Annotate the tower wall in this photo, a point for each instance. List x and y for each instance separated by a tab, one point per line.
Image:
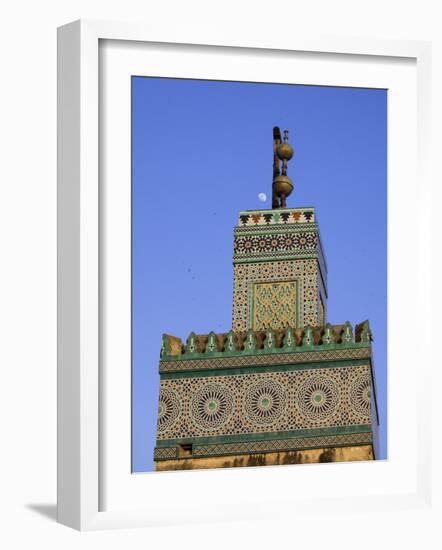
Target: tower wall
280	273
276	397
283	386
305	456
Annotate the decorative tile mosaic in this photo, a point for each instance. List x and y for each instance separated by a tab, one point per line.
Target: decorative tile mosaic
264	402
274	445
169	409
211	406
360	394
287	242
165	453
276	229
274	305
264	360
304	272
276	217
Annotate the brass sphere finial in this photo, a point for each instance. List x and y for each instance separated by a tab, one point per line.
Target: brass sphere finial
285	150
282	185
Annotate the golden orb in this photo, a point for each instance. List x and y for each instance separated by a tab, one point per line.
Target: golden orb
284	151
282	186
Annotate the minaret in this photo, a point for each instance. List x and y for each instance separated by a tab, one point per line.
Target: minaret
280	273
283	386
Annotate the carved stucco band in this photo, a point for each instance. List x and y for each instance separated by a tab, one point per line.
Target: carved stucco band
264	359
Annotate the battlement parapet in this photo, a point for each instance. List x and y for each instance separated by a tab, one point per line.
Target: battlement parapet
269	341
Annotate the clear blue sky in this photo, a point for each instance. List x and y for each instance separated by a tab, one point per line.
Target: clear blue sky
201	152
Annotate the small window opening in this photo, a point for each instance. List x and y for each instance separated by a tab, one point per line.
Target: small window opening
185	450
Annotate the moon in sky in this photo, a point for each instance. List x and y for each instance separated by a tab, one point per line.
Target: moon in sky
262	197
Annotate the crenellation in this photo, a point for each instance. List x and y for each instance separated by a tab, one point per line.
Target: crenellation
268	341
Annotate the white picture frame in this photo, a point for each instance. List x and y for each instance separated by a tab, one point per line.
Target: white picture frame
84	443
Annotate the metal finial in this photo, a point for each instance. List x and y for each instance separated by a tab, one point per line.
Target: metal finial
282	185
276	164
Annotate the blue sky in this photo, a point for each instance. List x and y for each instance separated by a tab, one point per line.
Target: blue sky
202	152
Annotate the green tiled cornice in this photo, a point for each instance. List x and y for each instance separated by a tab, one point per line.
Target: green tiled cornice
266	436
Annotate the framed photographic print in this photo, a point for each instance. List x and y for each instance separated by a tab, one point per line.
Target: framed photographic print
235	224
284	383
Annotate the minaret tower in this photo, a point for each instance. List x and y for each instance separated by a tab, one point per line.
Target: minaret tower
282	386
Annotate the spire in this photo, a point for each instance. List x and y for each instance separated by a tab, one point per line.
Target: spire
282	185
